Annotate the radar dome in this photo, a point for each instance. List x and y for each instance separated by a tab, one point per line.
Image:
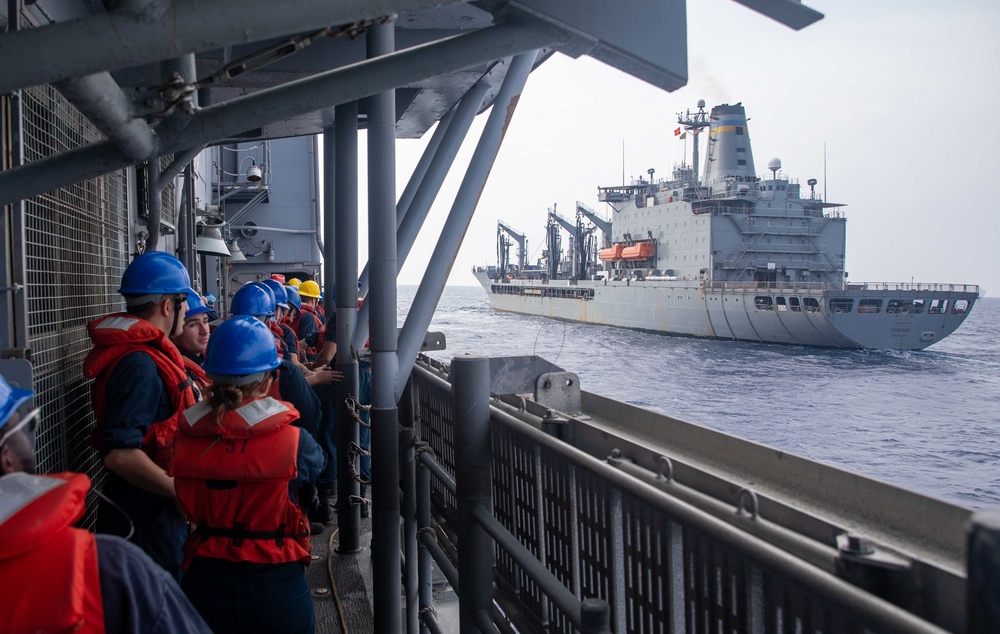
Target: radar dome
701	103
774	164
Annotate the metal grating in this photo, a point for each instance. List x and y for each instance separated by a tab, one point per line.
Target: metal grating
658	569
75	251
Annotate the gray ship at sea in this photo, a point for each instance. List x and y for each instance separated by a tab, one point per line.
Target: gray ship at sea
734	256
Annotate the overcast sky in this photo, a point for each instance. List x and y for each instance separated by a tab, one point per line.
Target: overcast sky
902	94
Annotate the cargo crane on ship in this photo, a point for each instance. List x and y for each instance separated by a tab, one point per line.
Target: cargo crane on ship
503	247
582	244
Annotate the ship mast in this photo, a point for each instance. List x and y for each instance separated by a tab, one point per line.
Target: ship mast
693	123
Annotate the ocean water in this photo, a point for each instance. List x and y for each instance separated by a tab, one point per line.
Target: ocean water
927	420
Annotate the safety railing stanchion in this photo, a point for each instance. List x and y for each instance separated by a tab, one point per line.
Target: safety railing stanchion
471	390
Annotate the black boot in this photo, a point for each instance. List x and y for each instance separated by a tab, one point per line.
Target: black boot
323	512
365	511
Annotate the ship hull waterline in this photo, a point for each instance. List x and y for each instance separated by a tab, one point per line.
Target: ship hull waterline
792	316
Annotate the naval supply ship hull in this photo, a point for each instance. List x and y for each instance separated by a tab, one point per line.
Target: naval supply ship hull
870	316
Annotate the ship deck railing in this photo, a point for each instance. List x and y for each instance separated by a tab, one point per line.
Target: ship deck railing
906	287
614	518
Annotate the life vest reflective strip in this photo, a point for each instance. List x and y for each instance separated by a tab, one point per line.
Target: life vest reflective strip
121	334
232	481
49	577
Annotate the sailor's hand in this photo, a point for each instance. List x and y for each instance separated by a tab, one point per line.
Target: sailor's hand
322	377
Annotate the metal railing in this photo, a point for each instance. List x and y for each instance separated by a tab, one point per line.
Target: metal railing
662	563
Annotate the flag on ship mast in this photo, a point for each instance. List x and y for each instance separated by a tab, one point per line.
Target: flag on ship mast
684	136
677	132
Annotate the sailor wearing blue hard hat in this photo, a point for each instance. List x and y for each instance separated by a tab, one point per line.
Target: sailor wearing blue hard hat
245	557
109	585
195	332
142	386
210	303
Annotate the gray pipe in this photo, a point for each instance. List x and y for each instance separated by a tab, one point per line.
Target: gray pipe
100	99
432	284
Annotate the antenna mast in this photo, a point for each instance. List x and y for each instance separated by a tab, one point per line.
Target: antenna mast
693	123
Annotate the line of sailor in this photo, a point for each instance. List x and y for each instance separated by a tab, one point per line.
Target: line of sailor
217	437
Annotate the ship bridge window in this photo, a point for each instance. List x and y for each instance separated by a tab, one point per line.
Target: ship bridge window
741	162
841	305
870	306
938	306
739	130
960	306
780	303
811	304
793	304
763	302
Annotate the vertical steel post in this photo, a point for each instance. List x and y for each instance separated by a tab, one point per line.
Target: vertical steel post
425	581
595	617
983	566
432	284
330	187
416	211
471	392
385	366
408	473
340	222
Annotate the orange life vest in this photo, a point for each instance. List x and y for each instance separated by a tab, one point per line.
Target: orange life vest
309	312
278	340
120	334
232	481
49	578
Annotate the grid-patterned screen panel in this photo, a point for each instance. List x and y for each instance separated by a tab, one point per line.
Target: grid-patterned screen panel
76	248
168	210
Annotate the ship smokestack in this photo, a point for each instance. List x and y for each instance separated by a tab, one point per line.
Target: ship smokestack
729	155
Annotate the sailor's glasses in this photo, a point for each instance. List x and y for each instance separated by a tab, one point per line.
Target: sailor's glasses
29	423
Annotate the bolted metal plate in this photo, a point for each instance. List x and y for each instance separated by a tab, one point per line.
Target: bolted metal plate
517	375
559	391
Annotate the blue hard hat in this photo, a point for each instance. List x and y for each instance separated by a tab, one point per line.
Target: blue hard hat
10	399
240	346
293	297
252	300
280	296
195	306
155	273
210	298
270	294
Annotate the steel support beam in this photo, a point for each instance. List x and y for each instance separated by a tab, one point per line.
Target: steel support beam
122	38
297	98
385	421
413	215
436	275
403	204
99	98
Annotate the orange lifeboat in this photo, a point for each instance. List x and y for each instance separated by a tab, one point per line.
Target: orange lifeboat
611	254
639	251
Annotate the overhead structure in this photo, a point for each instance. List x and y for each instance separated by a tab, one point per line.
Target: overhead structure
144	86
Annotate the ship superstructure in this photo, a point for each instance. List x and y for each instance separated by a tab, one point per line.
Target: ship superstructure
733	255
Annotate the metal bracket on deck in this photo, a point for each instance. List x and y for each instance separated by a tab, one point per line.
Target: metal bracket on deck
559	391
549	384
